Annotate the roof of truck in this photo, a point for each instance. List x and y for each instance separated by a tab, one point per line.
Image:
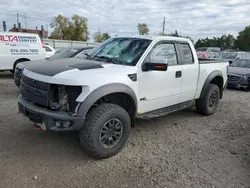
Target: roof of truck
155	37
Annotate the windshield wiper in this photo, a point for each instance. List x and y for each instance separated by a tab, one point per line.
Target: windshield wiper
107	58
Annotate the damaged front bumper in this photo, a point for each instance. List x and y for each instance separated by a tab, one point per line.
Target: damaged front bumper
49	120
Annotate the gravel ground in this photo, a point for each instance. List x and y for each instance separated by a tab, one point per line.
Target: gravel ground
183	149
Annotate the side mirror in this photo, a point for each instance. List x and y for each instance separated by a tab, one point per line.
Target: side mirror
147	66
230	62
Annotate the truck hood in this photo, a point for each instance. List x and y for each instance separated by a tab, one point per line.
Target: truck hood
78	72
238	70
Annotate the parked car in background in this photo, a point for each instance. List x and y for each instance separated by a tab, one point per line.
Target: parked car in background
18	47
74	52
50	51
239	74
232	56
208	52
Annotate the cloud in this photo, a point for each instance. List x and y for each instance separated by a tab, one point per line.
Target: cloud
193	18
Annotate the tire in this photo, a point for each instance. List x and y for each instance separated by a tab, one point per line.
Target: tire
203	105
97	118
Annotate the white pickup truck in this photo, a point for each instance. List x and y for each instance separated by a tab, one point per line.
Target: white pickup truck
122	79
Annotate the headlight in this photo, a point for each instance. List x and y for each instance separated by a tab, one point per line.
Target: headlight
63	98
20	66
245	77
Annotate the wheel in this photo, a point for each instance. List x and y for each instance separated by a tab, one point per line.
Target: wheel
105	131
208	103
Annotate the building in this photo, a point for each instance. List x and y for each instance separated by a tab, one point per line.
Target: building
42	33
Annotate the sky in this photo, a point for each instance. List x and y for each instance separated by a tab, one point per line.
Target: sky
194	18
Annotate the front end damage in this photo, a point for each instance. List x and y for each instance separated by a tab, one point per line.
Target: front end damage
63	98
50	106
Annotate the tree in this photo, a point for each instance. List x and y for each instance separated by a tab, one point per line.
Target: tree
61	28
66	29
105	36
243	40
143	29
224	42
176	34
79	27
100	37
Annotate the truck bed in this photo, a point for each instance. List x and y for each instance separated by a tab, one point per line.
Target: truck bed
207	61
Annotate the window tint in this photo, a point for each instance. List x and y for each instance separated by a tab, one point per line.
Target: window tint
186	54
163	53
48	49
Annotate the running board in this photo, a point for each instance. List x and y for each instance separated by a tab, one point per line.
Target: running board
165	111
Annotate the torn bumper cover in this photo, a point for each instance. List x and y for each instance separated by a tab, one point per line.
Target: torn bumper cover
49	120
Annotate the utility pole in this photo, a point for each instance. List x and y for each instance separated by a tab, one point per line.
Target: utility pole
17	18
4	26
25	21
163	26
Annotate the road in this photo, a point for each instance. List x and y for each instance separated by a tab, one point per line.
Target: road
183	149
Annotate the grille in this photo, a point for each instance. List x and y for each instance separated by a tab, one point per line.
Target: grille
34	91
234	78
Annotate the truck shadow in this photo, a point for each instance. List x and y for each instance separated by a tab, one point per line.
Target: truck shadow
6	75
171	118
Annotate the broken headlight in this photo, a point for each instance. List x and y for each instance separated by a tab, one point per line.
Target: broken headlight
63	98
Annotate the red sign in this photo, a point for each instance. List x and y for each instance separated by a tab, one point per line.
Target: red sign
8	38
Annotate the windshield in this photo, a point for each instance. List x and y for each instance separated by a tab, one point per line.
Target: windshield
65	53
202	49
228	55
126	51
243	63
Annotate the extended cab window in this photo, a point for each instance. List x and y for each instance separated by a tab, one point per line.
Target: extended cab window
186	54
163	53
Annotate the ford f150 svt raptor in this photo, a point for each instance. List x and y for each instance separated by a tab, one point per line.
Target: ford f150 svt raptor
122	79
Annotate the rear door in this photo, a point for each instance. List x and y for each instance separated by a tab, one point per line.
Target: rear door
190	72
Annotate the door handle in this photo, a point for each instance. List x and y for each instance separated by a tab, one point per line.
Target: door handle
178	74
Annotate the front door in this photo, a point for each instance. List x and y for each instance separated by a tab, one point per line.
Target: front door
159	89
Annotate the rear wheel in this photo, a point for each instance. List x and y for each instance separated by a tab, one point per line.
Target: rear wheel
208	103
105	131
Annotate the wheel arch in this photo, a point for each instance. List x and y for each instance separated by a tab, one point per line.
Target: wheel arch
215	77
112	92
20	60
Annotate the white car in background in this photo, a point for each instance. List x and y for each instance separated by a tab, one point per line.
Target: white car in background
16	47
49	50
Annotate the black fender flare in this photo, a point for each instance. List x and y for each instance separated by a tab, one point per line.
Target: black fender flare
210	77
103	91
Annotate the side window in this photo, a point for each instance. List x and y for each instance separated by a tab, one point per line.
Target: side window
186	54
82	55
48	49
163	53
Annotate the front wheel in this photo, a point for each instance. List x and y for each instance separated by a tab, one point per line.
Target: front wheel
208	103
105	131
